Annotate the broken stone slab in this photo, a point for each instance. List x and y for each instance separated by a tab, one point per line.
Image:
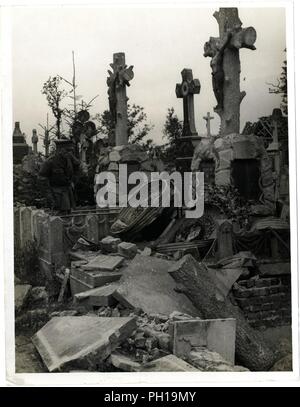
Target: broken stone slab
103	262
146	284
80	342
217	335
124	363
207	361
93	280
100	296
109	244
169	363
22	292
127	249
85	255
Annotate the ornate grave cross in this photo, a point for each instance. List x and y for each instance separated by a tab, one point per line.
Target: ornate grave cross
226	67
117	81
208	118
186	90
34	140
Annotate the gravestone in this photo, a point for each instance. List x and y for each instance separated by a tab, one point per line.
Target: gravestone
117	81
92	228
226	67
17	230
186	91
224	236
26	234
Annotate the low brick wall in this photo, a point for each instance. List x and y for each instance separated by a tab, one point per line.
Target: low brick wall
266	302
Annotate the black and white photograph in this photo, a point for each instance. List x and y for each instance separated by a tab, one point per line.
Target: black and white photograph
149	170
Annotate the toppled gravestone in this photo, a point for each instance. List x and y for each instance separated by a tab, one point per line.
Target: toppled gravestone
97	272
146	284
80	342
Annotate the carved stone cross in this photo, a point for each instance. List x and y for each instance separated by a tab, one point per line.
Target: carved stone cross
226	67
186	90
208	118
117	81
34	140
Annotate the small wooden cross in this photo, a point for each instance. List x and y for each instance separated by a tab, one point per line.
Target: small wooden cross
186	90
208	118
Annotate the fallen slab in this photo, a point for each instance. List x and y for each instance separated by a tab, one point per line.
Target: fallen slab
97	297
169	363
146	284
103	262
95	278
81	342
217	335
81	283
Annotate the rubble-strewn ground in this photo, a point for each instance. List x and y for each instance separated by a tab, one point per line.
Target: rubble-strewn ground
148	342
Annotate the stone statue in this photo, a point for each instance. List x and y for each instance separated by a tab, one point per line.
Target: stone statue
226	66
117	81
214	48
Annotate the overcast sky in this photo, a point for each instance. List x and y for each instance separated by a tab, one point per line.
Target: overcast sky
159	42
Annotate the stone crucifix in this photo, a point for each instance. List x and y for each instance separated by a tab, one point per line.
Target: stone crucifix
208	118
117	81
226	67
186	90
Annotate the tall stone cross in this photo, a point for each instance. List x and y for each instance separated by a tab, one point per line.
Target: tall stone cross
226	67
186	90
208	118
117	81
34	140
